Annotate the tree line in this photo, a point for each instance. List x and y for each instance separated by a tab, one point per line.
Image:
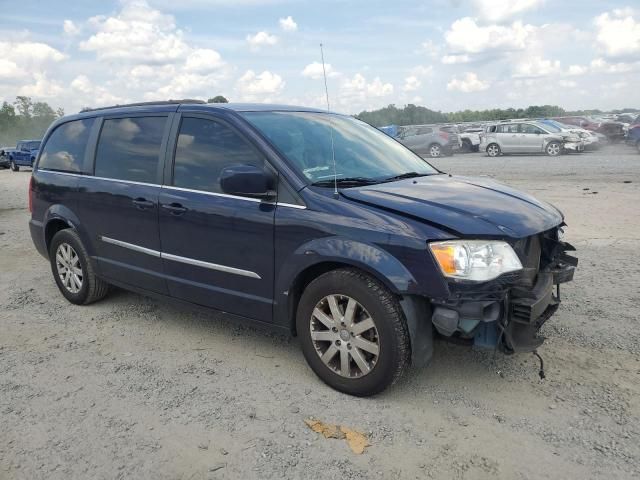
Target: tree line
25	119
417	115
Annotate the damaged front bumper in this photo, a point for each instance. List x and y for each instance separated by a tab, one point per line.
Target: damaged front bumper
508	312
574	146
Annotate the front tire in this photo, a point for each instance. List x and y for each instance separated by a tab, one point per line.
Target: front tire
14	167
73	271
353	332
553	149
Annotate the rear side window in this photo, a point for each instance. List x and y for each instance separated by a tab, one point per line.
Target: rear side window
65	148
129	148
204	149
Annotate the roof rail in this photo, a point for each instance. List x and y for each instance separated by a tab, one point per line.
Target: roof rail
143	104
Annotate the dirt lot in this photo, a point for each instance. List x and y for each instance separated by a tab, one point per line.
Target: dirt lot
134	388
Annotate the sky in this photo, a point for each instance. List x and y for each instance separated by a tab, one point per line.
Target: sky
447	55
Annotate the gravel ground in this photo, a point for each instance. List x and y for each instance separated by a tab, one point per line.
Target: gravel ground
135	388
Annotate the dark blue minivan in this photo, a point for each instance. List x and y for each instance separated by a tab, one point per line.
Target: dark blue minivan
309	221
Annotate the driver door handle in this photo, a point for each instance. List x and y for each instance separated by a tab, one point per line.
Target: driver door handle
174	208
143	203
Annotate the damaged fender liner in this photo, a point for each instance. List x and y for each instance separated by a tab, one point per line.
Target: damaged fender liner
507	313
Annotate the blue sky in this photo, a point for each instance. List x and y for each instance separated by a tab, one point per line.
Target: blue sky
445	54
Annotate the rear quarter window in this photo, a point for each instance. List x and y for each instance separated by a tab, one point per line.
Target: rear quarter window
66	146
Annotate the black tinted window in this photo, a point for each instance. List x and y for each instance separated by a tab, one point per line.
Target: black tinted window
66	146
205	147
129	148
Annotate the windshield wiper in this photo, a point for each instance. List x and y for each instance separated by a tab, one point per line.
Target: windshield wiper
406	175
345	182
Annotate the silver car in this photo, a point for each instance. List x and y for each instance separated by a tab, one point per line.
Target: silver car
431	140
527	137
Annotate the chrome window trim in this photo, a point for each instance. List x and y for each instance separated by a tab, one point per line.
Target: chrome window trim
177	258
291	205
215	194
171	187
131	246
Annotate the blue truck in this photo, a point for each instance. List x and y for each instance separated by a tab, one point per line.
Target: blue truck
23	155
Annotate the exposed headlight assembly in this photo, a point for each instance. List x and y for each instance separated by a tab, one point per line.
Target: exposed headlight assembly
475	260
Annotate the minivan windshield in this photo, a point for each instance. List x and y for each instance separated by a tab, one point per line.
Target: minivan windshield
363	154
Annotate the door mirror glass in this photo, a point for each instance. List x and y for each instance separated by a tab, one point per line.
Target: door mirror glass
247	181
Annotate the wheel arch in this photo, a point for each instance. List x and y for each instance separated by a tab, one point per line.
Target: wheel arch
325	254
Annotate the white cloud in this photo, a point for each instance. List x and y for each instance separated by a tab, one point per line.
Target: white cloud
430	48
30	54
618	33
411	83
41	88
466	35
599	65
575	70
469	83
70	28
93	95
454	59
492	11
202	60
358	86
536	66
137	33
567	83
422	71
261	39
262	87
288	24
314	71
9	70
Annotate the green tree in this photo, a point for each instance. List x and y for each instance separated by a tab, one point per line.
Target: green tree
24	105
218	99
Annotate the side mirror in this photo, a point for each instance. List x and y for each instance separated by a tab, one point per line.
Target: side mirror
247	181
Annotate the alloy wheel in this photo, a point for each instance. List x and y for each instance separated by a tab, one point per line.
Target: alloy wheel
434	151
345	336
493	151
69	268
553	149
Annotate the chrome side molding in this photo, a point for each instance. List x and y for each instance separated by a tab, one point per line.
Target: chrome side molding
186	260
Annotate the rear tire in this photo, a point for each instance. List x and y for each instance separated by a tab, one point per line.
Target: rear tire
493	150
72	269
435	150
333	348
14	167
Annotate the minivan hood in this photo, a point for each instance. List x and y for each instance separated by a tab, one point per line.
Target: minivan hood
464	206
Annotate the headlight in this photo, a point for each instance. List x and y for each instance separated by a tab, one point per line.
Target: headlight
475	260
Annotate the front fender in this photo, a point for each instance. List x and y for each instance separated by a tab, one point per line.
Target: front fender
364	256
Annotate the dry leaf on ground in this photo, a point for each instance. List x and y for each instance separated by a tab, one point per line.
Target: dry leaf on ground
357	441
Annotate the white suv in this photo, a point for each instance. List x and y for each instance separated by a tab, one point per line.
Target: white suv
527	137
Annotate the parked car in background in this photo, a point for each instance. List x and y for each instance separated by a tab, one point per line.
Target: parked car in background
24	155
612	130
430	140
591	139
470	139
528	137
309	221
4	158
633	138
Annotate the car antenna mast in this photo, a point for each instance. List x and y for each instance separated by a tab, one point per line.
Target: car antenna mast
333	151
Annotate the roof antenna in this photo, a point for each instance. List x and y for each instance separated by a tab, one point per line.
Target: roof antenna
333	152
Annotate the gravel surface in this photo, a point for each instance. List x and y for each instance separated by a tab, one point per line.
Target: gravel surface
135	388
